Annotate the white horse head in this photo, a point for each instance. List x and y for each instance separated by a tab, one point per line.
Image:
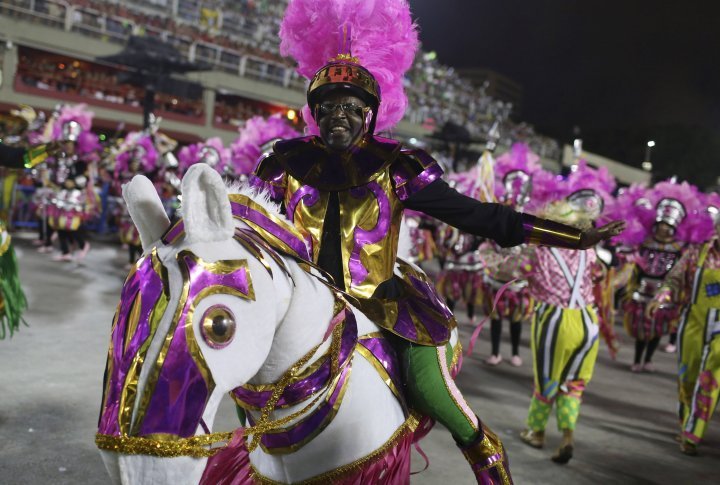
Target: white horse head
212	308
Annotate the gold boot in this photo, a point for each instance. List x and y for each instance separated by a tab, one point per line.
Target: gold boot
536	439
565	452
487	458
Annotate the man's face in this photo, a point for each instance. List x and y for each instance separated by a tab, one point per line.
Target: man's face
340	117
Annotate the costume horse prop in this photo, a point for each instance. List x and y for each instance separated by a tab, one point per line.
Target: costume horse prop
225	302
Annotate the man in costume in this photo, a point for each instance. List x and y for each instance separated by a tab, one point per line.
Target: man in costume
669	218
346	190
565	329
695	282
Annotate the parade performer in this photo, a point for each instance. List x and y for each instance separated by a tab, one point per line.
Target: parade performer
136	154
75	200
345	190
211	151
461	277
565	328
694	283
514	172
12	297
668	219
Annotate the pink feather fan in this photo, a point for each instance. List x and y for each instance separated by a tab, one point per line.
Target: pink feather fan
382	36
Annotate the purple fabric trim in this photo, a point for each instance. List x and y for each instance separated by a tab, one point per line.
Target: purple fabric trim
404	325
420	306
302	390
362	238
276	192
405	188
181	392
312	424
308	195
146	282
260	219
382	350
174	233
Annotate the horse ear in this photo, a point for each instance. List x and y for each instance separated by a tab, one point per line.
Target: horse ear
146	210
205	205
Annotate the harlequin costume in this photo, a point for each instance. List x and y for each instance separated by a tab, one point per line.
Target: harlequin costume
695	283
673	206
564	330
349	204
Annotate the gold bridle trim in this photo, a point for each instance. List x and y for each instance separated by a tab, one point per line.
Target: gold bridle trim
195	447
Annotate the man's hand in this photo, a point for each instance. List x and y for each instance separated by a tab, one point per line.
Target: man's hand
593	236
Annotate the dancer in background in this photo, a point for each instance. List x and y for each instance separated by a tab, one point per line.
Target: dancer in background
694	282
514	173
564	329
667	219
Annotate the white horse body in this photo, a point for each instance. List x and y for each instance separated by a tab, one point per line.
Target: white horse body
288	317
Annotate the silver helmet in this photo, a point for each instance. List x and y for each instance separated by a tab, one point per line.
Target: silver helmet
588	202
670	211
518	185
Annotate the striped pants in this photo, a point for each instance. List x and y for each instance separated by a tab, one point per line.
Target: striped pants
699	371
564	346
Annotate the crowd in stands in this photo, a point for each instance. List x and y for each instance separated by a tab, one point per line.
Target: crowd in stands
63	74
239	28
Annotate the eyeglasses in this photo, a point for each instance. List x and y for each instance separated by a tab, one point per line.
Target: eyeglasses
329	108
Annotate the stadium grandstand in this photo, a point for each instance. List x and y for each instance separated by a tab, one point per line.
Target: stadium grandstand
51	50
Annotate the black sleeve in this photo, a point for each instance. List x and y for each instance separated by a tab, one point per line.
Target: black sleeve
493	221
12	157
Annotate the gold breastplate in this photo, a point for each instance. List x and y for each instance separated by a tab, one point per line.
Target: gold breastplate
370	216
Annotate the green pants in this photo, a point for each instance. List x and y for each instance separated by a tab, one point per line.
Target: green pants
431	390
564	346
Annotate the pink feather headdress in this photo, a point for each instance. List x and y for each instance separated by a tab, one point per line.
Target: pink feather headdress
697	225
78	113
256	132
192	154
519	158
137	144
383	38
88	145
633	205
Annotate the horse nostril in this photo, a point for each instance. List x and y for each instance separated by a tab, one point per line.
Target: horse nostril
218	326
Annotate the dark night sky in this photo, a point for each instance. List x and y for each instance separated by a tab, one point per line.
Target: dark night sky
597	64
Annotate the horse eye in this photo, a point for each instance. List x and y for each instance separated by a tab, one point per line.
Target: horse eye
218	326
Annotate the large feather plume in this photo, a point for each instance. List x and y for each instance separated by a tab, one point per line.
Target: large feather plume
382	34
256	132
78	113
697	225
192	154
